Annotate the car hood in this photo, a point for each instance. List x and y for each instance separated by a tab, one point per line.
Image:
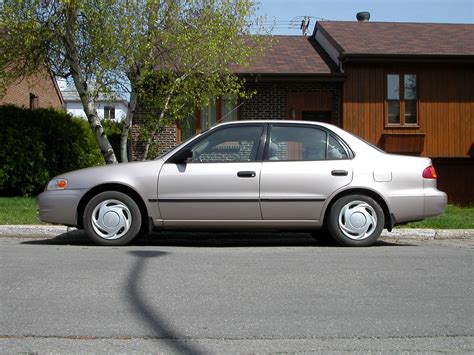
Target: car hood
127	174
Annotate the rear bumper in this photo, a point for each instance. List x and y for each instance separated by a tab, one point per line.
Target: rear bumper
59	206
435	202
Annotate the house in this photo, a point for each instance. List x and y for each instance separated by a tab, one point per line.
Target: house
36	91
112	107
406	87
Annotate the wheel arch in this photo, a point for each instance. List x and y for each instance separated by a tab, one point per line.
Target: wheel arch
111	187
361	191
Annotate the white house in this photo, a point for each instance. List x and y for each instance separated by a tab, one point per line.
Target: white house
111	106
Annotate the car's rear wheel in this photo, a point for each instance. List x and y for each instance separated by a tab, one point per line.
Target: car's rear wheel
356	220
112	218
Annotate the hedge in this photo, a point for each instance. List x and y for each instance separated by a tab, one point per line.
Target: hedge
39	144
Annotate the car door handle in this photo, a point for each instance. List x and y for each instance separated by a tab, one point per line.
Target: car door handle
246	174
339	173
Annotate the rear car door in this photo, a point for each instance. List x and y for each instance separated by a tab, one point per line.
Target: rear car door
303	165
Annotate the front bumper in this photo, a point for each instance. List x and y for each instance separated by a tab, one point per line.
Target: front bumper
59	206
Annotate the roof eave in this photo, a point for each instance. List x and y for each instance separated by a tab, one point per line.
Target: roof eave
417	58
291	77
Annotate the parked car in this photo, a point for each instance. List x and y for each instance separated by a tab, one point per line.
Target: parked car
253	175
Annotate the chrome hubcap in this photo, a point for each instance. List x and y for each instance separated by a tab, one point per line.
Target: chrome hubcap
111	219
357	220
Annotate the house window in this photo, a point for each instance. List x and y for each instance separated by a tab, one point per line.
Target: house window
188	127
109	112
33	101
223	109
228	108
208	115
402	99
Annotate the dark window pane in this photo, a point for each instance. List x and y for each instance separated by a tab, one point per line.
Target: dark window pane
188	128
208	115
410	111
297	143
410	87
394	111
109	112
228	108
232	144
393	87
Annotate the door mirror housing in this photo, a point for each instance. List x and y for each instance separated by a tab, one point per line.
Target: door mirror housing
183	156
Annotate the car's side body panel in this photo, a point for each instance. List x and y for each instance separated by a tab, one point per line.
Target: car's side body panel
298	190
209	191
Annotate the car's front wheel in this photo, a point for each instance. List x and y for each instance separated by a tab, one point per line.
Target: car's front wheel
112	218
356	220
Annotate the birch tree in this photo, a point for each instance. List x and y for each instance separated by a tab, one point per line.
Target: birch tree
69	38
170	55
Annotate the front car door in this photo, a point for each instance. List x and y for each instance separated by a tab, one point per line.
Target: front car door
302	167
218	184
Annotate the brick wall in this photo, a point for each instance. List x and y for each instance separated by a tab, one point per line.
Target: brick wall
269	102
271	99
40	85
164	140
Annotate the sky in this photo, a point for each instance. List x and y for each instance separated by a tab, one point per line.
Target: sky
287	14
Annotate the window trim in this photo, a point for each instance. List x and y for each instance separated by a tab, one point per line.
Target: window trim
401	82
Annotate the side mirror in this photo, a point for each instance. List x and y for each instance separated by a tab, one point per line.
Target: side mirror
182	156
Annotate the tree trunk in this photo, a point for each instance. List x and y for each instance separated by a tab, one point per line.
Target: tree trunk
127	124
81	85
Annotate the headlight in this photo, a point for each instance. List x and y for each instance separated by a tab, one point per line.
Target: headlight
57	184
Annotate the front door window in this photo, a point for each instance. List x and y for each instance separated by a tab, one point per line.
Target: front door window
231	144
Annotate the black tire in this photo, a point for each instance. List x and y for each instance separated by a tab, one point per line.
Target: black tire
356	221
112	218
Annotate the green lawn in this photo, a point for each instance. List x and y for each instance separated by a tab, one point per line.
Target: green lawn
453	218
18	210
22	210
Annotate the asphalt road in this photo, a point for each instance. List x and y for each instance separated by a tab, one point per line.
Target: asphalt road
187	293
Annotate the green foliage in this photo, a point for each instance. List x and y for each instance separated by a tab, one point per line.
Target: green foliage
114	45
39	144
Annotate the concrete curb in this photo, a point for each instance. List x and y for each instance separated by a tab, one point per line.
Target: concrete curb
411	233
44	231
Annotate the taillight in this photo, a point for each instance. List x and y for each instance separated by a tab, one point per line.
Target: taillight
430	173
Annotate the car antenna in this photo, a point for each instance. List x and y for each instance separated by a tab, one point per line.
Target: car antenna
227	114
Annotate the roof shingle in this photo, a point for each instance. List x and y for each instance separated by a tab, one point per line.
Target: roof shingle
289	55
398	38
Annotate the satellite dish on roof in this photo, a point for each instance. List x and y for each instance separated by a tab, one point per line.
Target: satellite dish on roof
363	16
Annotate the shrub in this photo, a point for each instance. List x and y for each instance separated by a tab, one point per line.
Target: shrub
39	144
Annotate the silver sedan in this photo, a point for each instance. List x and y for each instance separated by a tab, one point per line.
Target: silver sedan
251	175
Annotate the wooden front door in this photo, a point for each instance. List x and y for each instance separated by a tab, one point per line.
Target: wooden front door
311	106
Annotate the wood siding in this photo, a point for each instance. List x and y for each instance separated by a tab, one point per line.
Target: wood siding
445	106
455	178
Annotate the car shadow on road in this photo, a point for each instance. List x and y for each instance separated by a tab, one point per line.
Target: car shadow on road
207	239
